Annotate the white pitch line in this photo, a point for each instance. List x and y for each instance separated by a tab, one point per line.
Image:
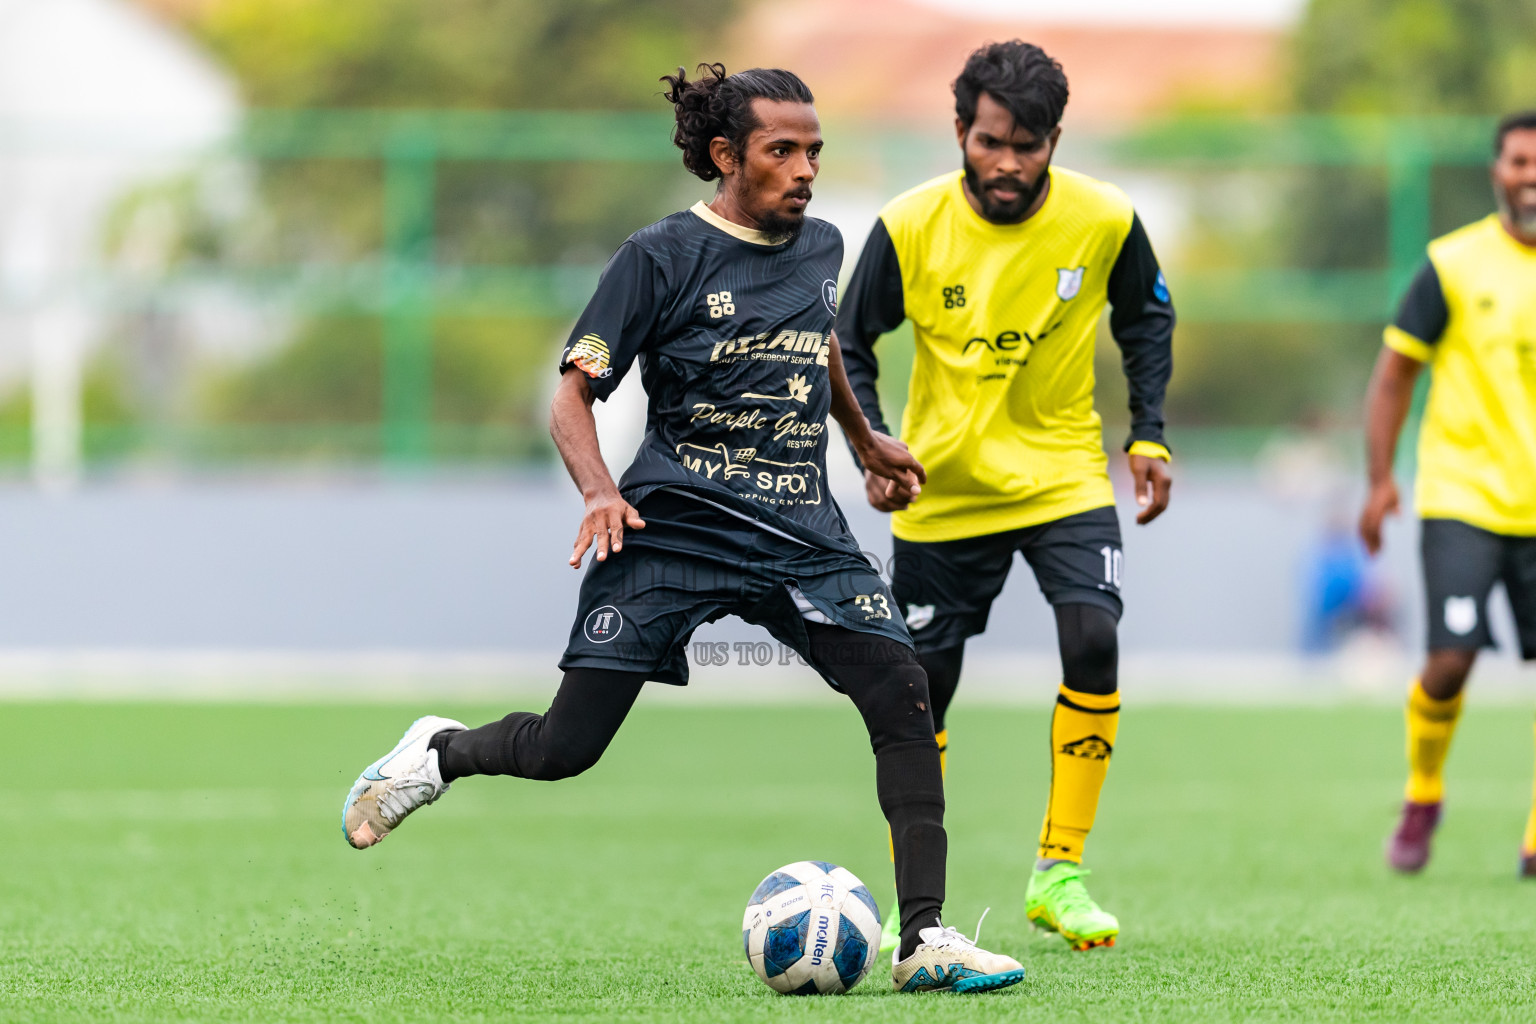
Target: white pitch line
530	678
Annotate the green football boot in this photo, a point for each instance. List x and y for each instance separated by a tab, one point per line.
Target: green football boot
1058	901
890	934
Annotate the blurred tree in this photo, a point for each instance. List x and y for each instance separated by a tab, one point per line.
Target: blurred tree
107	404
447	54
494	54
1404	57
1362	57
1415	56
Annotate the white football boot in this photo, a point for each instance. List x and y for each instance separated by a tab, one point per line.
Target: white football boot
945	959
396	784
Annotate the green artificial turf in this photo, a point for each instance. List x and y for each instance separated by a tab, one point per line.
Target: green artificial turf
185	862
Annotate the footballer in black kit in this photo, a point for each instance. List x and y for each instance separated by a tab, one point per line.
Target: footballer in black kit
728	309
733	333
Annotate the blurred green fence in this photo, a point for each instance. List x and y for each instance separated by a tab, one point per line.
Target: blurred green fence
409	286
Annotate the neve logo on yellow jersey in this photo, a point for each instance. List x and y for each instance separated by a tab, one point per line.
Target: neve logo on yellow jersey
1009	348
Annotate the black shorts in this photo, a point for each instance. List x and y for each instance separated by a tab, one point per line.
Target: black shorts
1461	564
696	562
946	588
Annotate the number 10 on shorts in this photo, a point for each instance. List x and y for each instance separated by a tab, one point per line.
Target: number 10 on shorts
1114	559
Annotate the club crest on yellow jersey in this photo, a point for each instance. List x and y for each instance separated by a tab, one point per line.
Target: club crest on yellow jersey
1069	281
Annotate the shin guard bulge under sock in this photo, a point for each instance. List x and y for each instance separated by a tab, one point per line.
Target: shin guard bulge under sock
1083	730
1430	725
942	736
911	794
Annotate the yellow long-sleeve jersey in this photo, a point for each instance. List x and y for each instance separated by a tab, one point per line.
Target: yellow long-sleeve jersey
1000	405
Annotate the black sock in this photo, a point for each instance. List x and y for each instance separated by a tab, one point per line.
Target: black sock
890	688
566	740
911	792
488	750
439	743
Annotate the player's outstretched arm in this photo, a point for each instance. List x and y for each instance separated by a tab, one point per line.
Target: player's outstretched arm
575	432
1386	407
881	455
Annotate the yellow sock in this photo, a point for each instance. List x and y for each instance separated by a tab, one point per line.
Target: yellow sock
1082	739
1528	844
1431	723
943	737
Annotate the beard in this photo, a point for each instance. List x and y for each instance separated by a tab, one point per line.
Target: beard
780	227
997	211
1522	217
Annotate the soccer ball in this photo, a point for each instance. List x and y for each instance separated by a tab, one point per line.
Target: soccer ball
811	928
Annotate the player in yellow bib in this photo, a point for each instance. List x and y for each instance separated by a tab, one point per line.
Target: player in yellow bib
1004	269
1470	315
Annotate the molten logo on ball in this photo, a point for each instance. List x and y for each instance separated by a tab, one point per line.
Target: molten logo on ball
811	928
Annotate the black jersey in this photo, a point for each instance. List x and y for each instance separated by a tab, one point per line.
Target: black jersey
733	336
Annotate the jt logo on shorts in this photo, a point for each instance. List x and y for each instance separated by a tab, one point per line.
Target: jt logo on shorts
604	624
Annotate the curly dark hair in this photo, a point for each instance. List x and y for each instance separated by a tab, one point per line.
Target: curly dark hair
717	105
1020	76
1523	121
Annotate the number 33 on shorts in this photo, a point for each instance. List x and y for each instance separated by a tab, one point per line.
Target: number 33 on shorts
874	606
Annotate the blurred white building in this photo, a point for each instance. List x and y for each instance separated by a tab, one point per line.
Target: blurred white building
95	96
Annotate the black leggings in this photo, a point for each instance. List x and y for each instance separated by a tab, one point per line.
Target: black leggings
880	675
1090	657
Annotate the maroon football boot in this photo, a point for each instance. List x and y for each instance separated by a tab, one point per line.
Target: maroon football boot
1408	849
